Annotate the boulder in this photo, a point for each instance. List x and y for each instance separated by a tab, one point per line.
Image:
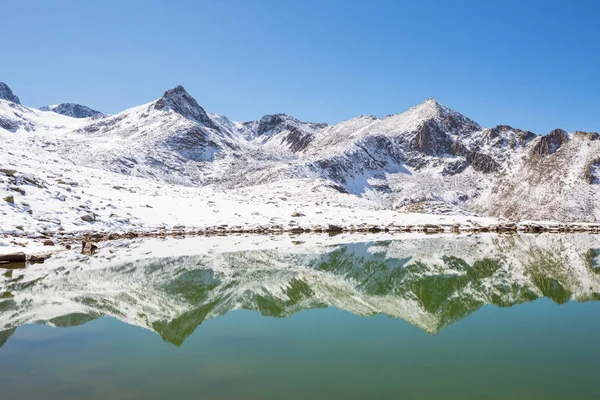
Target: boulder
13	257
88	248
88	217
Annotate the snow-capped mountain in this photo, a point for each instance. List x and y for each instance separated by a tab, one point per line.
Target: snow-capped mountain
7	94
428	159
172	286
72	110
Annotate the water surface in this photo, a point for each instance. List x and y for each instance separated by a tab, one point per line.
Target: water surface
498	317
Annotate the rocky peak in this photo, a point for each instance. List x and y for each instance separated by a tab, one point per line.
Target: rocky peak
453	122
72	110
180	101
7	94
269	122
501	134
550	143
587	135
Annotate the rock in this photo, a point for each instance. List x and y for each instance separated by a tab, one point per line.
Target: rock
550	143
10	199
38	259
48	243
334	228
7	94
8	172
588	135
13	257
73	110
32	180
432	139
88	248
88	217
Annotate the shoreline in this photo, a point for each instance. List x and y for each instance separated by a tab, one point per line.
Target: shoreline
37	247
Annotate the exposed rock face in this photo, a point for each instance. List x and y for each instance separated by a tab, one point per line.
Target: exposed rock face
285	130
587	135
522	137
7	124
431	140
459	125
181	102
550	143
592	172
72	110
269	122
7	94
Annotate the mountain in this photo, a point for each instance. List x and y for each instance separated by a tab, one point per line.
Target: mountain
172	287
72	110
170	138
429	159
7	94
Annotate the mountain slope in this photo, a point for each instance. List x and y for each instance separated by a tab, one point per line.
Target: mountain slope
169	139
428	159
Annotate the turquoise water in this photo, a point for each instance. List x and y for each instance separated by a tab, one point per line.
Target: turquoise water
493	330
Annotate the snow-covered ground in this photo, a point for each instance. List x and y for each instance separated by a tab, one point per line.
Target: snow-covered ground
49	195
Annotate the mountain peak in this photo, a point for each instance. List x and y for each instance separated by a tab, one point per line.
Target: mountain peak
431	100
179	89
72	110
181	102
7	94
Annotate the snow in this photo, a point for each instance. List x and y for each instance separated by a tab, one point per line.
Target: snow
64	192
169	163
27	119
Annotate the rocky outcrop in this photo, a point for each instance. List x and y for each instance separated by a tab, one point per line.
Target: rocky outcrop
479	161
550	143
522	137
592	172
7	94
269	122
73	110
286	130
8	124
431	139
587	135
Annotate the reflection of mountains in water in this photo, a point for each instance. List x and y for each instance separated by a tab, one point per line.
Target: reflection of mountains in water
431	282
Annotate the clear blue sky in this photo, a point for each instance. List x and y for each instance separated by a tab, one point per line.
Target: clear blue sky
530	64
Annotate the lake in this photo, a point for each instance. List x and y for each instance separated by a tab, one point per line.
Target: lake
311	316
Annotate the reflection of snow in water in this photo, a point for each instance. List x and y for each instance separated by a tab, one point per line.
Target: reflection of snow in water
172	285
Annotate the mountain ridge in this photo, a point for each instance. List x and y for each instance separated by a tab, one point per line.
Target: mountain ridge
429	158
72	110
